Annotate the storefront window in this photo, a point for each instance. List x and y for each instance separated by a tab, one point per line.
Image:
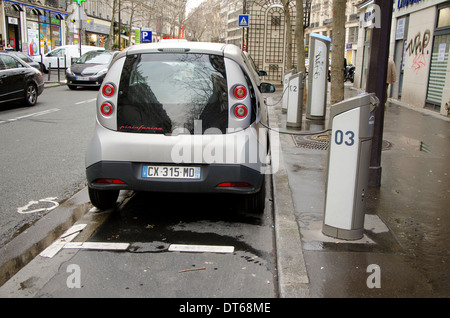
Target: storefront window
45	33
55	30
444	18
32	15
12	17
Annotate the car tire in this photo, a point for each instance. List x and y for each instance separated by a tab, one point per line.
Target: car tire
255	202
103	199
31	94
71	86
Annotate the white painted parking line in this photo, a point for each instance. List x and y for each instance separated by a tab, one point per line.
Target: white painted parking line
200	248
68	236
98	246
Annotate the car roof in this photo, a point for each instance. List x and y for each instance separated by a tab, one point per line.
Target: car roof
228	50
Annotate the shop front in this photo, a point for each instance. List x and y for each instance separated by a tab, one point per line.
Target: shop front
30	28
420	42
97	31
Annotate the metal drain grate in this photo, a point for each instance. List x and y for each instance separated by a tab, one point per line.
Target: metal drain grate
314	142
322	142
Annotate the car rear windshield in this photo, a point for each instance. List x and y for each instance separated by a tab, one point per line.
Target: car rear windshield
172	93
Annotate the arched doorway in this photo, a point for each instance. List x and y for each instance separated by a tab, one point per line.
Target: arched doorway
275	43
266	40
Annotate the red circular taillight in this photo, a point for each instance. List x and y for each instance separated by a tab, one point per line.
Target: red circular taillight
106	109
108	90
240	111
240	92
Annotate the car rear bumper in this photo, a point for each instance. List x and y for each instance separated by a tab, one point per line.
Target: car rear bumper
210	177
95	81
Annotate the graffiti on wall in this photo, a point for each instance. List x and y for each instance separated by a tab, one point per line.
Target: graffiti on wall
418	47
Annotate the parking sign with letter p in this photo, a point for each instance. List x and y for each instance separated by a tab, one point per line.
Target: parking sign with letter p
146	36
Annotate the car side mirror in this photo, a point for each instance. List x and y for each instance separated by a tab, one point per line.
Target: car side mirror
266	88
262	73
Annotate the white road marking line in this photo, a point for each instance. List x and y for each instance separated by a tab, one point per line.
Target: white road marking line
201	248
98	246
48	111
86	101
68	236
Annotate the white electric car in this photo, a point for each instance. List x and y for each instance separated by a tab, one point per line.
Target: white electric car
180	117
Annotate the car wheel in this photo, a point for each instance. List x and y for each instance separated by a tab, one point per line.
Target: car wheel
255	203
72	86
103	199
31	94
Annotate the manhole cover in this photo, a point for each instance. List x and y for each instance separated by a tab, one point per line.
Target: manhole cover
314	142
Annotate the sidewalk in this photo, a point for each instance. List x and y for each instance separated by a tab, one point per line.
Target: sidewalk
406	223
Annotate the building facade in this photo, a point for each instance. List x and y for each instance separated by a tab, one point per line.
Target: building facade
419	46
37	26
32	26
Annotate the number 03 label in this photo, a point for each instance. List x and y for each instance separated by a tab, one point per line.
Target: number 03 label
346	138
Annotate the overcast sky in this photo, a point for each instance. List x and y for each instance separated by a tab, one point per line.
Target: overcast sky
191	4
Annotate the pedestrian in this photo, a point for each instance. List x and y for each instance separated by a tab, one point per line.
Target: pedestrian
391	77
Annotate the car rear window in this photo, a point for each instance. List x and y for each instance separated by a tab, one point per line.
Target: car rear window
167	93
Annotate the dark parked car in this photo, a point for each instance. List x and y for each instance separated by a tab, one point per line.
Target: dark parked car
24	57
18	80
90	69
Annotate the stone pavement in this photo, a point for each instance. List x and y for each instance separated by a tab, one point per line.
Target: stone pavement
405	248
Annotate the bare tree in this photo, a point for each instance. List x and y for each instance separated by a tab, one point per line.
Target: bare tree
337	58
110	42
300	36
287	15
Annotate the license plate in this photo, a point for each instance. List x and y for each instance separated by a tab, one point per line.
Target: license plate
172	172
82	78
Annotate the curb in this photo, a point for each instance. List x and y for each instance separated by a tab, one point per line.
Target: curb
22	249
293	279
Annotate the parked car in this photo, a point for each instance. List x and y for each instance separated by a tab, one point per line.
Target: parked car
90	69
18	80
64	54
179	117
24	57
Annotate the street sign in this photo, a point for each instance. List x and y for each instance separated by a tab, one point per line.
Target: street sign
243	20
146	35
79	1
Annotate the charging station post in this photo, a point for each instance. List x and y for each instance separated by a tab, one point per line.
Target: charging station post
284	103
318	76
352	123
295	101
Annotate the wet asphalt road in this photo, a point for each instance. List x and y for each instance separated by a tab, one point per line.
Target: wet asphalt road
151	223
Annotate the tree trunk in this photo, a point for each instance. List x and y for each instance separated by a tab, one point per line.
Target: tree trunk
300	36
287	15
110	42
337	58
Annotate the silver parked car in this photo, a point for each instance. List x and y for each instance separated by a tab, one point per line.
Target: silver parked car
179	117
